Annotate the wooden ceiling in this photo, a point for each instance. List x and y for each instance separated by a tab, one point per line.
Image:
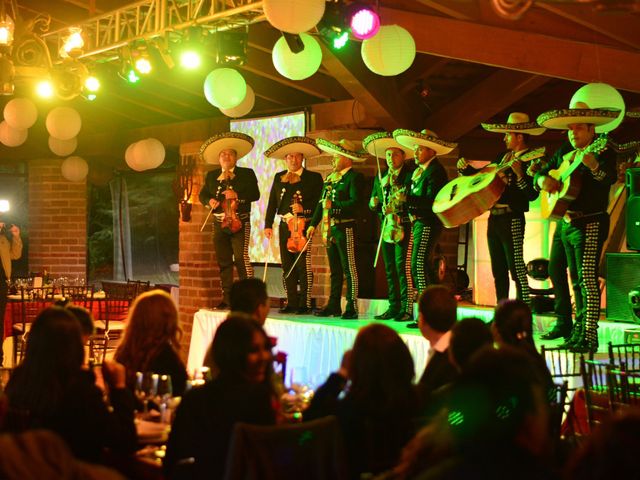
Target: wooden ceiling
473	66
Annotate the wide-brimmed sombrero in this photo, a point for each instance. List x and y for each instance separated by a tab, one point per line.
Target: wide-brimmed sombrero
378	143
517	122
581	113
240	142
347	148
426	138
304	145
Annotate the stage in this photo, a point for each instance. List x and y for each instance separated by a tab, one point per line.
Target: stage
314	345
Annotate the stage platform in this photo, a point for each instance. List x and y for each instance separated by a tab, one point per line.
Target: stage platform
315	345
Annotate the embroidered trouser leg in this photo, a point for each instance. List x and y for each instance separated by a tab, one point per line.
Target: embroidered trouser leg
560	280
505	238
232	249
4	290
301	275
397	265
425	237
342	263
583	240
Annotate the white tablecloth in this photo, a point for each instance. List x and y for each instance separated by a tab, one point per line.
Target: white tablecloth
312	348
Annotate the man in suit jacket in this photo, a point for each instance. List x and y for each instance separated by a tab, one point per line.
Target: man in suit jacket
239	186
10	249
295	192
340	205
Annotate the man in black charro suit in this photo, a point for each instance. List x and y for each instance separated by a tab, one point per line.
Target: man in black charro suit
295	192
341	202
238	185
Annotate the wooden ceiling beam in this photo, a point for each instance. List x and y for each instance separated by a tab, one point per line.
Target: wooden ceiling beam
518	50
277	93
483	101
146	106
378	95
423	67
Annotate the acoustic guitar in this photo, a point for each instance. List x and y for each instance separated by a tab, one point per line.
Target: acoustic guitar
464	198
555	205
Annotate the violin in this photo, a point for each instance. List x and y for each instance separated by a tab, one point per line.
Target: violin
296	241
392	230
231	223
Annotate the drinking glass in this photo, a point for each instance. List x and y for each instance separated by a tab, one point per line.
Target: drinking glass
145	389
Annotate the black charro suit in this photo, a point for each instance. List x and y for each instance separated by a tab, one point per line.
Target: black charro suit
283	194
232	248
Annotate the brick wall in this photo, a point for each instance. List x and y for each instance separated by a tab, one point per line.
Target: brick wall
57	221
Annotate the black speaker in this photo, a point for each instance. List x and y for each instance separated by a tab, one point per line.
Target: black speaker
632	182
623	276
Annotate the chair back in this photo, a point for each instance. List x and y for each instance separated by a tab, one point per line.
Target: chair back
627	354
595	375
24	311
624	389
308	450
141	286
79	295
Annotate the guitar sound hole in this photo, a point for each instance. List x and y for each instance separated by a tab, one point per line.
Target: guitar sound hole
453	192
478	179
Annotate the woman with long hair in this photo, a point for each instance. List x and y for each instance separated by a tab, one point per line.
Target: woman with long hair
50	390
151	341
377	415
242	391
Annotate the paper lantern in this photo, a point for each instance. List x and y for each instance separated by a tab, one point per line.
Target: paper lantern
149	154
601	95
225	88
12	137
63	148
244	108
63	123
297	66
75	169
390	52
293	16
20	113
130	156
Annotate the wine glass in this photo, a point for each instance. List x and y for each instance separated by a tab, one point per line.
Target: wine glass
145	389
162	398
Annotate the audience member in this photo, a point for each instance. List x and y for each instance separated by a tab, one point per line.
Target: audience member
377	414
467	337
437	313
151	341
49	390
87	327
241	392
250	296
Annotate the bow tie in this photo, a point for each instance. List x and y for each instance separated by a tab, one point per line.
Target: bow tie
226	175
290	177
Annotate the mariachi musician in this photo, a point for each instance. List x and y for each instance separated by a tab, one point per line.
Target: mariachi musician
425	183
295	192
585	224
336	215
505	228
388	201
229	192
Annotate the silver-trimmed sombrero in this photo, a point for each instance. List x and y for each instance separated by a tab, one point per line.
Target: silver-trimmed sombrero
304	145
561	119
347	148
426	138
211	148
378	143
517	122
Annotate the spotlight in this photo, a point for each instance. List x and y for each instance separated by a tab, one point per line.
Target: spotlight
127	72
44	89
92	84
4	206
363	20
69	78
73	43
91	97
143	65
190	56
7	28
231	47
332	27
132	76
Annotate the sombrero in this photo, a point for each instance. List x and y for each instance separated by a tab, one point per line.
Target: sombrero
517	122
240	142
426	138
581	113
378	143
347	148
304	145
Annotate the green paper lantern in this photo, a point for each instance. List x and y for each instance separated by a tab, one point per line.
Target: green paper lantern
225	88
297	66
601	95
390	52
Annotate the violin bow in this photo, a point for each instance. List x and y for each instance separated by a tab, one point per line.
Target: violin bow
384	222
304	249
206	220
266	264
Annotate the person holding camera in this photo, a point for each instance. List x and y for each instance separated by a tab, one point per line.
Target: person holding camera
10	249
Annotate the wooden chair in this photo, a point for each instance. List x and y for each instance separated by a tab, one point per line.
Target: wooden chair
24	311
113	312
595	375
141	286
79	295
627	354
624	389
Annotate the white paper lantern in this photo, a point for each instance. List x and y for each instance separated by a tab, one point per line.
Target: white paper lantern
225	88
390	52
12	137
601	95
20	113
294	16
130	157
149	154
244	108
63	148
63	123
297	66
75	169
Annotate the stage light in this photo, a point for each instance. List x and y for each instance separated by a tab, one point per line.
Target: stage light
231	47
45	89
132	76
73	43
4	206
333	28
143	65
190	60
340	41
92	84
7	27
364	21
91	97
191	49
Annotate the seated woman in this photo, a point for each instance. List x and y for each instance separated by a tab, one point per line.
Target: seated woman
377	414
151	340
242	391
50	390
